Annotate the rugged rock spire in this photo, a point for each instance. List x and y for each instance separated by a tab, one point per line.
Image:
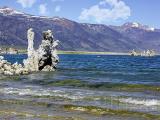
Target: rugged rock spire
30	36
47	52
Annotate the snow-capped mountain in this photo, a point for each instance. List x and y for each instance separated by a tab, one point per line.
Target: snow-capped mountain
10	11
138	26
76	36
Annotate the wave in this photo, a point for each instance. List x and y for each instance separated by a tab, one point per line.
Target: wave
139	101
41	93
77	94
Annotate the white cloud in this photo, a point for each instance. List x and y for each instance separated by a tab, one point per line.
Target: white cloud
26	3
42	9
100	13
57	8
57	0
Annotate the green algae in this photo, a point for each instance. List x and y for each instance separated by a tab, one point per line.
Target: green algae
10	78
124	87
24	115
105	111
105	86
88	85
69	107
75	83
24	102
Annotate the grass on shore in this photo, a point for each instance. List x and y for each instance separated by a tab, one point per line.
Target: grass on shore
24	51
92	53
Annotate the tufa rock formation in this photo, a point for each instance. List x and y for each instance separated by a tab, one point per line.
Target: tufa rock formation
146	53
45	58
47	52
7	68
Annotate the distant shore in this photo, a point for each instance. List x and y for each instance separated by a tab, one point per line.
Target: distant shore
92	53
24	51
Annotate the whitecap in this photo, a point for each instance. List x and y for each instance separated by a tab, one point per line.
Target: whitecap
139	101
42	92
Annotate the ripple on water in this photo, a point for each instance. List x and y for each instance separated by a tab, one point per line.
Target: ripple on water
105	82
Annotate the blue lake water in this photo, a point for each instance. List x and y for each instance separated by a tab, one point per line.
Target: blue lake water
83	84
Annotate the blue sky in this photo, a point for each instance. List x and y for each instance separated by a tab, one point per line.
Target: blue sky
110	12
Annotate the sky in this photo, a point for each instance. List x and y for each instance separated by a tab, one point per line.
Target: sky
109	12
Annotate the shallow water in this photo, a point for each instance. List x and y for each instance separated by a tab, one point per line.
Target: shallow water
85	87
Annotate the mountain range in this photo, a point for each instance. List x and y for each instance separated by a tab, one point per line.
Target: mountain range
76	36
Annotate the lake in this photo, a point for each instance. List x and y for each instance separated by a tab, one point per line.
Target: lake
84	87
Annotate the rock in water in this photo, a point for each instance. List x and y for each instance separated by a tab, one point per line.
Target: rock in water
7	68
1	57
43	59
47	52
31	63
30	36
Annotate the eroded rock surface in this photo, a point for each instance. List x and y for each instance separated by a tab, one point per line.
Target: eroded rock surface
7	68
47	52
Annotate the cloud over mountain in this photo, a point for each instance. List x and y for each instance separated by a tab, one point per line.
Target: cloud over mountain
26	3
42	9
100	13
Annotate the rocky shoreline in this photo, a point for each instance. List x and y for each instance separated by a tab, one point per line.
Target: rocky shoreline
7	68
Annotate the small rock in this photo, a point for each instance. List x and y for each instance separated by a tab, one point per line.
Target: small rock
8	73
1	57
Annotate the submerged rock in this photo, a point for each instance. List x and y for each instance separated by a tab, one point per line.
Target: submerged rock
45	58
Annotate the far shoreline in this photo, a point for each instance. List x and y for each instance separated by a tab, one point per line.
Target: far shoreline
91	53
24	51
20	51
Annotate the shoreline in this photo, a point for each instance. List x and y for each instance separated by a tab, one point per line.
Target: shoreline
91	53
78	53
81	53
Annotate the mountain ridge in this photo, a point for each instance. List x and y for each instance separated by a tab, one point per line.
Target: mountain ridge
76	36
